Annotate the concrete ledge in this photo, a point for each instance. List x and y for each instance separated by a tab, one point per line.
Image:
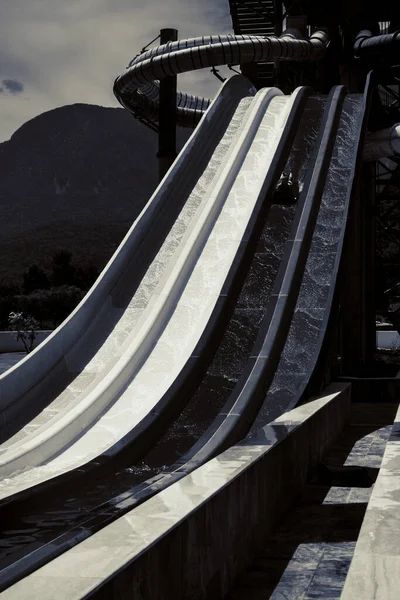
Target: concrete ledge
388	339
375	389
374	572
190	540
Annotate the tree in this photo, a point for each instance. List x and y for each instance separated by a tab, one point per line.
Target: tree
63	270
25	328
51	306
34	279
86	276
34	304
8	293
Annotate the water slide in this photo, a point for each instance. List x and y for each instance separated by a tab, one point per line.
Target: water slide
125	367
123	359
111	373
302	244
117	370
138	88
291	341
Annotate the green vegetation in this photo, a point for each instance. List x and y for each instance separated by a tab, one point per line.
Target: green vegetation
25	328
48	297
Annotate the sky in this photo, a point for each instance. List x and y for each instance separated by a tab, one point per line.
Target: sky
55	52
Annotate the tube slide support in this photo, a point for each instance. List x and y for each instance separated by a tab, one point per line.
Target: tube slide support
167	113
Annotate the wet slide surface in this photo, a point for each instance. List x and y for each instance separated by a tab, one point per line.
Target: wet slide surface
176	305
160	326
128	341
122	491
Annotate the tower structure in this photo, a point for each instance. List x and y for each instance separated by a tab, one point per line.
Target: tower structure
364	36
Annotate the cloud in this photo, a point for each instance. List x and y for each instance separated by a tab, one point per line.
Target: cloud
13	86
67	52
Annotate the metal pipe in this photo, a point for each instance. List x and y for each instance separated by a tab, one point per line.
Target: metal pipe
167	113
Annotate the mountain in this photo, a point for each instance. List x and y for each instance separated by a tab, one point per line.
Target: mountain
72	178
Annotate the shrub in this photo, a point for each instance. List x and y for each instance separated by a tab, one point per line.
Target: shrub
25	328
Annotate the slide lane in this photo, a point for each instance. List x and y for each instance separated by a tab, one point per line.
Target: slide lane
105	302
135	391
303	362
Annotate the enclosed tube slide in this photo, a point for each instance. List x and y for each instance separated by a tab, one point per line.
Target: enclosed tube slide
367	44
137	89
384	143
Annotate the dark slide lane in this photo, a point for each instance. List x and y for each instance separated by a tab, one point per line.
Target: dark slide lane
302	364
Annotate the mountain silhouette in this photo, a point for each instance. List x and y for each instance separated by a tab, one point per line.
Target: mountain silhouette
74	177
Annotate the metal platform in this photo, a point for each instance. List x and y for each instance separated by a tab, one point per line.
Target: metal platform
257	17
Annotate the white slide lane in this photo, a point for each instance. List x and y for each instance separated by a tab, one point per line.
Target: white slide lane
102	311
166	316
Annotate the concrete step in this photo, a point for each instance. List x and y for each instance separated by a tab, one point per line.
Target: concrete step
309	554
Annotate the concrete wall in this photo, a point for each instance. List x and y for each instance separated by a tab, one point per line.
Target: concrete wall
388	339
200	558
190	540
8	341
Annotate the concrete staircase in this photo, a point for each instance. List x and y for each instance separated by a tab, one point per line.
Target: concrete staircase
309	553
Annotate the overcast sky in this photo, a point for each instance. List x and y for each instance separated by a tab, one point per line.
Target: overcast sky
55	52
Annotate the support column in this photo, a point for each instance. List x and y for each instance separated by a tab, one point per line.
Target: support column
352	304
358	301
167	113
369	312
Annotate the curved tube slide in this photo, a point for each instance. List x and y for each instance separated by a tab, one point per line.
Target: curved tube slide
166	324
384	143
367	44
137	89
